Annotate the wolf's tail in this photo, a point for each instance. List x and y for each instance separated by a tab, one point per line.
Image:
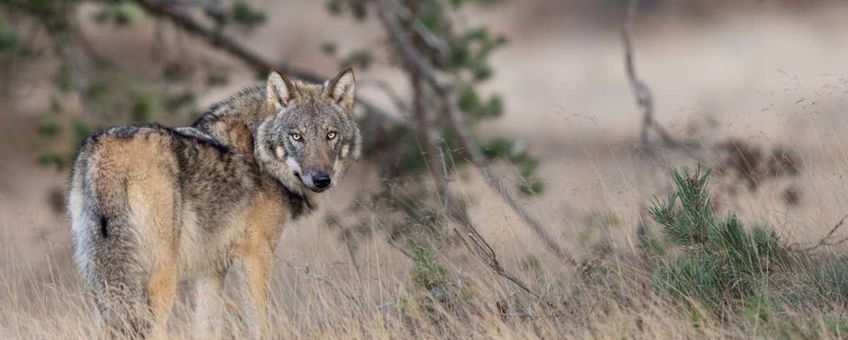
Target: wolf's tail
106	244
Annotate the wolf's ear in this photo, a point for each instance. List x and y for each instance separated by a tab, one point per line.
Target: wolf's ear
341	88
279	90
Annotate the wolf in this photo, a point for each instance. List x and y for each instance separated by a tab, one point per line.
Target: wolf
152	206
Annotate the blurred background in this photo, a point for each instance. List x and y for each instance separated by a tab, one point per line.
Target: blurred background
515	122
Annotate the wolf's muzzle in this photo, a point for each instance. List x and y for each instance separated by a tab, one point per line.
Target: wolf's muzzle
321	180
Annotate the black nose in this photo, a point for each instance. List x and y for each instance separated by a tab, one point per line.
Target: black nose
321	179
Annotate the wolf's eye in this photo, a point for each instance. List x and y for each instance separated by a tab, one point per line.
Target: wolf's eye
331	135
296	137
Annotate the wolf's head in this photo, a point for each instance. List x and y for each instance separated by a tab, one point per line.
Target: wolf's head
307	136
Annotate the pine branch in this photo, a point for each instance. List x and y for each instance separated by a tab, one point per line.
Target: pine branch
415	60
216	39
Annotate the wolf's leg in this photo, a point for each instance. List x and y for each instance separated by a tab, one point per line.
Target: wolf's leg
122	311
161	290
256	273
209	297
115	277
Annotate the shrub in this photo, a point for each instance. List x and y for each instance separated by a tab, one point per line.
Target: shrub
716	261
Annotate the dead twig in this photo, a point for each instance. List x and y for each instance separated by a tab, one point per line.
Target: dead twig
824	240
446	178
390	241
217	39
478	245
645	99
642	92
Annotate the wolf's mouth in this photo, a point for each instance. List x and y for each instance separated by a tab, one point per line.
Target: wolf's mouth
300	178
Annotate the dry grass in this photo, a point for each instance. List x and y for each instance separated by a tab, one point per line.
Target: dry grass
569	101
319	293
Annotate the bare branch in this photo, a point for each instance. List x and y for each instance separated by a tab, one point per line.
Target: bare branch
217	39
641	91
388	238
824	240
480	247
70	56
643	95
415	60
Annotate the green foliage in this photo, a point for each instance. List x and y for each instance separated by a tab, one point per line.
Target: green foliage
243	14
469	52
462	55
218	76
689	222
53	160
48	128
8	39
177	101
62	81
742	274
54	14
649	242
470	102
141	109
532	265
125	97
825	279
329	48
360	59
427	272
357	8
836	325
11	44
112	97
406	208
718	262
119	13
502	147
81	129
